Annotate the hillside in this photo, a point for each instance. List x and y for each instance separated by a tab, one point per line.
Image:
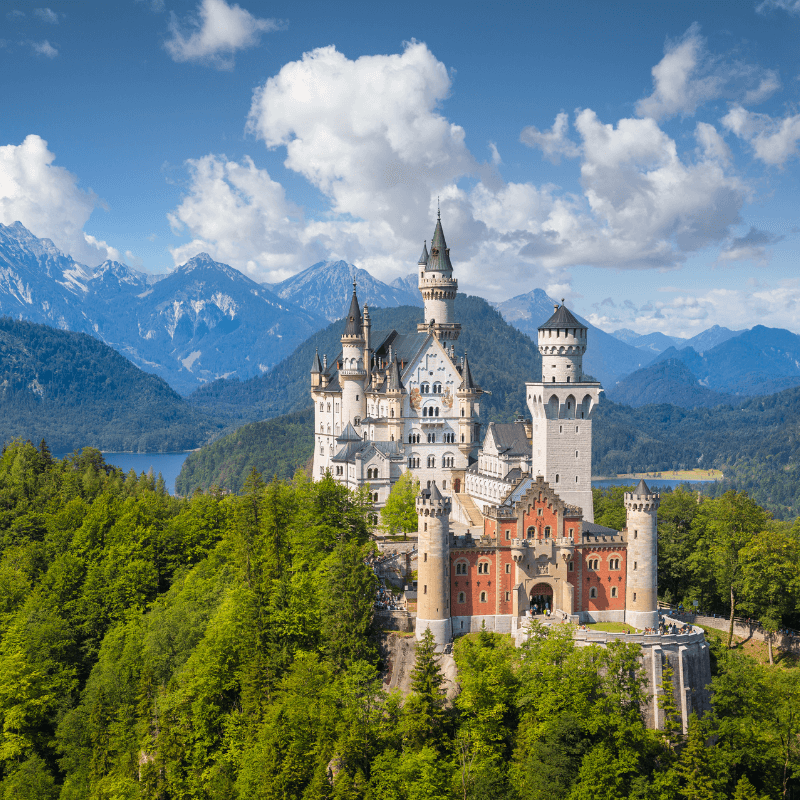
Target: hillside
501	358
74	391
669	381
273	447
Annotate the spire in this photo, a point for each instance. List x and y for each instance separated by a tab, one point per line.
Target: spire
562	318
439	259
316	367
353	316
423	259
467	384
436	495
395	382
642	489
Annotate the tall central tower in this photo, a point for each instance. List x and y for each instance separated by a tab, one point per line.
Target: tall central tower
561	405
438	288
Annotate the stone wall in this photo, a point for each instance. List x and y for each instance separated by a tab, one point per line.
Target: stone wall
747	631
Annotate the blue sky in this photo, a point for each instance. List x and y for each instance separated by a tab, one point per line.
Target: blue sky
639	159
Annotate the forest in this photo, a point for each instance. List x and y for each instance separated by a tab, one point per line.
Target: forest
225	647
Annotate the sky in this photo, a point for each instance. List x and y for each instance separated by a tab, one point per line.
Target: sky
639	159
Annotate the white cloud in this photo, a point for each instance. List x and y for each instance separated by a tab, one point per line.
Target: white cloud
47	201
789	6
44	49
553	143
774	141
750	247
369	134
47	15
689	76
216	33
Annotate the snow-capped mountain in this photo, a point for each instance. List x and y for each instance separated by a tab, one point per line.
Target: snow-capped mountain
326	288
203	321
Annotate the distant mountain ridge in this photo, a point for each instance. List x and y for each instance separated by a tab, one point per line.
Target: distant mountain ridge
325	288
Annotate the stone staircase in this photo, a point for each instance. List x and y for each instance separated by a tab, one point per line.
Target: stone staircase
470	509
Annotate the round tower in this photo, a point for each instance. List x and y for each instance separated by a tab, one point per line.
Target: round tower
438	288
562	343
353	371
641	600
433	565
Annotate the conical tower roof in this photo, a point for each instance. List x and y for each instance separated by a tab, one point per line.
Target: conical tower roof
439	259
435	495
395	381
466	376
316	366
423	259
642	489
353	327
348	435
562	318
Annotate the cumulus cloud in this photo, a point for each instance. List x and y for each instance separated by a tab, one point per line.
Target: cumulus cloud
46	199
689	76
44	49
553	143
370	135
774	141
215	33
47	15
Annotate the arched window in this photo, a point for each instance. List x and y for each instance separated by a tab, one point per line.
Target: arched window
431	438
556	477
431	462
424	388
462	598
593	592
547	532
329	406
437	388
613	591
321	407
483	597
483	568
436	412
531	532
461	568
356	421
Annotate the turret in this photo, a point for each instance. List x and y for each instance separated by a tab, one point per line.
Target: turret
316	371
467	395
353	372
433	565
641	600
438	288
562	343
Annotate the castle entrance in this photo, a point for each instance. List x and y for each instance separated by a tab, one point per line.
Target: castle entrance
457	485
541	598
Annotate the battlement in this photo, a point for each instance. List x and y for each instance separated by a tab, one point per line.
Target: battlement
644	502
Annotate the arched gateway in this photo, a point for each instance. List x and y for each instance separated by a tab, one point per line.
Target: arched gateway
542	597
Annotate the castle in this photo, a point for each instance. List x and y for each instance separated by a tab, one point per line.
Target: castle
520	500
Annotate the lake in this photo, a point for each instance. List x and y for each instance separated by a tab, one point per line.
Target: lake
652	483
168	464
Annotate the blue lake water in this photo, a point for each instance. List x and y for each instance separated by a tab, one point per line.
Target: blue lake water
168	464
652	483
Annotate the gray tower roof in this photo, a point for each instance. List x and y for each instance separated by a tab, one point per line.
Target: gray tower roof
394	380
435	494
466	376
423	259
353	316
562	318
439	259
348	435
642	489
316	366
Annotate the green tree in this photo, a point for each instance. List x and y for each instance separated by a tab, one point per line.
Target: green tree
400	511
423	712
771	579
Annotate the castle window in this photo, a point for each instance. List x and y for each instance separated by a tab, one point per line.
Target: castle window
576	479
576	454
462	437
571	532
425	557
425	589
613	563
483	568
356	420
561	429
483	597
613	591
431	462
567	378
425	529
636	534
634	597
462	412
571	566
329	406
540	511
593	592
556	477
321	471
436	412
508	535
547	532
508	566
532	531
634	565
375	497
431	438
508	596
461	568
448	461
444	483
554	378
462	598
594	563
424	388
576	429
437	388
321	407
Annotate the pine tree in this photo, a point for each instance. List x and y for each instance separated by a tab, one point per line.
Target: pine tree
423	711
671	725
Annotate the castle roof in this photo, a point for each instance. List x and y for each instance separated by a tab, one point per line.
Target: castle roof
509	438
593	529
439	259
348	435
423	259
433	494
467	383
316	366
642	489
347	453
353	316
394	381
562	318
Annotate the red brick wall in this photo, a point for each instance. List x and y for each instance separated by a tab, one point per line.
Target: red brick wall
603	579
472	584
532	518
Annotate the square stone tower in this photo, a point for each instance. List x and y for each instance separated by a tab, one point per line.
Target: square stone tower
561	406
